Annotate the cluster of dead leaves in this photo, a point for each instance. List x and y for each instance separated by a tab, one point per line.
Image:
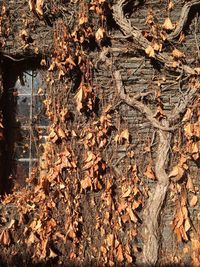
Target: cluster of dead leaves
182	223
186	194
36	6
85	98
94	140
124	212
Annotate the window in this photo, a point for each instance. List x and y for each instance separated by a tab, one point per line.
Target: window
25	123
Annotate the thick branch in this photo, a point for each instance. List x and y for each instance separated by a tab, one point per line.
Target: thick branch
156	200
183	18
127	29
125	25
133	102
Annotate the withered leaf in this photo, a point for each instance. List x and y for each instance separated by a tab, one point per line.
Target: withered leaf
167	25
177	53
188	115
83	19
110	240
170	5
149	172
52	254
79	99
193	201
132	215
127	192
100	34
31	5
39	7
177	172
120	256
190	185
5	237
61	133
86	183
69	60
150	51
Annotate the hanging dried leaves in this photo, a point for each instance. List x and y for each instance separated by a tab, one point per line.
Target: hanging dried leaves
182	222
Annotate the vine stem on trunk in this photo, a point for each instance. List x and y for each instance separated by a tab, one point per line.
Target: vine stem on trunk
156	199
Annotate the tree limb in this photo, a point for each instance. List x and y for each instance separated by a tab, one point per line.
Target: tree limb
183	18
133	102
155	202
127	29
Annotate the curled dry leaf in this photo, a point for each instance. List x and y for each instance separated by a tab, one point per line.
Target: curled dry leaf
52	254
79	99
69	60
43	62
124	135
86	183
100	34
53	137
83	19
190	185
40	91
167	25
149	172
150	51
188	115
193	201
119	255
39	7
31	5
157	47
177	173
110	240
127	192
61	133
177	54
197	70
5	238
170	5
132	215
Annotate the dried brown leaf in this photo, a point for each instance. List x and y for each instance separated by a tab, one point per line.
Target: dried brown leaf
119	255
150	51
149	172
79	99
100	34
86	183
167	25
193	201
39	7
5	238
177	54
